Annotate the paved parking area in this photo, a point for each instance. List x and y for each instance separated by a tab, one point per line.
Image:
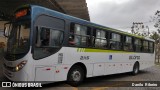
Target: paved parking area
109	82
119	81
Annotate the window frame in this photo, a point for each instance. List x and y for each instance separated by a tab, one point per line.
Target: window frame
119	42
71	33
128	45
108	37
146	50
47	47
49	21
151	47
94	38
139	46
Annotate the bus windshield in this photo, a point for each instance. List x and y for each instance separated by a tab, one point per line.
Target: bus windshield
18	41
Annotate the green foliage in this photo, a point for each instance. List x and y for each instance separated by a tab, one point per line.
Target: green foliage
155	36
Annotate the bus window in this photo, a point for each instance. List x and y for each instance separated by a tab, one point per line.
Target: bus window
79	35
151	47
48	40
138	45
71	40
100	39
145	46
115	41
128	44
45	36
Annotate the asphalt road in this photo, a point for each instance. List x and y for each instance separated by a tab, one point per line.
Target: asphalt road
110	82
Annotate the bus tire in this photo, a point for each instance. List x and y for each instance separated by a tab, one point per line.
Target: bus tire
135	69
75	76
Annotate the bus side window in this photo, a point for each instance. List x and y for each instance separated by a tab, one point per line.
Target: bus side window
151	47
138	45
79	35
47	42
45	36
42	37
100	40
115	41
71	40
128	44
145	46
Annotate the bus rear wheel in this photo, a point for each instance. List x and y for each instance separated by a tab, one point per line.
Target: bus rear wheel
135	69
75	76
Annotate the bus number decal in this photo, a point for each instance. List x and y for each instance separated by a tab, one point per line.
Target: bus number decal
84	58
60	58
134	57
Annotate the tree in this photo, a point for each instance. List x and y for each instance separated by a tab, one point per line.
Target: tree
138	28
155	36
156	19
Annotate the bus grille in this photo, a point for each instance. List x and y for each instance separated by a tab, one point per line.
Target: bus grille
9	68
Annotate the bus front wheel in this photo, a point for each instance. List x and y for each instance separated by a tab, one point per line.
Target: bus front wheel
135	69
75	76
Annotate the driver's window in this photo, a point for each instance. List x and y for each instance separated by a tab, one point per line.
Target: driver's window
43	37
48	37
47	42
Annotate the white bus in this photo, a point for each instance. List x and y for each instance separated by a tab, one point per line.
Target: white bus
46	45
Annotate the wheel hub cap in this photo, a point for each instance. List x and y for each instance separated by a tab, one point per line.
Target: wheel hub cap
76	76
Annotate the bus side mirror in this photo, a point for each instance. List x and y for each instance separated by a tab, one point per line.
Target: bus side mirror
5	32
7	29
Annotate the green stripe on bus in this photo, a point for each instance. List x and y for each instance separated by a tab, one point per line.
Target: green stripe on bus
99	50
80	49
77	49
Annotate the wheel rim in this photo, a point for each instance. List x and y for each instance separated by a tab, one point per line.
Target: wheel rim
76	75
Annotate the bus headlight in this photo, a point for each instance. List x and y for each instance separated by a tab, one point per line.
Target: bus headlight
20	65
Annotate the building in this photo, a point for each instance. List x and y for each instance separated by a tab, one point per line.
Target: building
77	8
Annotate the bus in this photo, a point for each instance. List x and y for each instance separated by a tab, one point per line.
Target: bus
46	45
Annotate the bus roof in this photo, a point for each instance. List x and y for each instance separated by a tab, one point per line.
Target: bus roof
80	21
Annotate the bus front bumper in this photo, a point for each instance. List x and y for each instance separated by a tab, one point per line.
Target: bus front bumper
15	76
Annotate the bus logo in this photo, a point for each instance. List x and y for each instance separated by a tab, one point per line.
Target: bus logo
110	57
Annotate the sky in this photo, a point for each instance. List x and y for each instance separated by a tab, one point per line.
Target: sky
120	14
